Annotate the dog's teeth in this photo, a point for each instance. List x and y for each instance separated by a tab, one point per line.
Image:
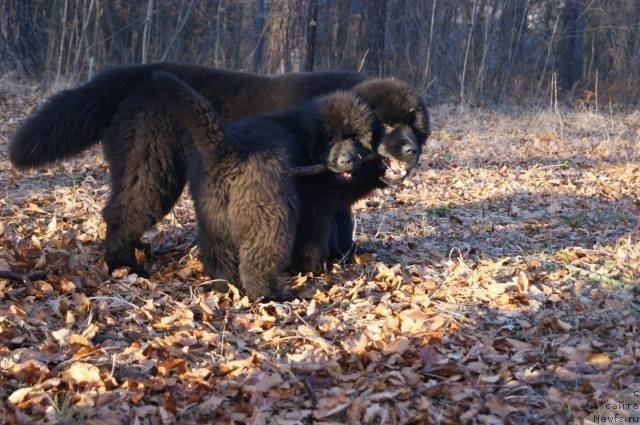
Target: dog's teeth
396	165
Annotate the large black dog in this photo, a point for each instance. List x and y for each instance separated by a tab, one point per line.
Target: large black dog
246	202
406	127
406	124
146	149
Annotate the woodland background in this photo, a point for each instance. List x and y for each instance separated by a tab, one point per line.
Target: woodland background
504	284
503	290
470	51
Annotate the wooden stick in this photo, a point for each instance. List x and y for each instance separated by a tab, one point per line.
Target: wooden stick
8	274
312	170
308	170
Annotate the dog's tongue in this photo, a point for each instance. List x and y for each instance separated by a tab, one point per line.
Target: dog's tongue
394	170
344	175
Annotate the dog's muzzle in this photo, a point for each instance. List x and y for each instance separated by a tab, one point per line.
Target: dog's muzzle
400	153
344	165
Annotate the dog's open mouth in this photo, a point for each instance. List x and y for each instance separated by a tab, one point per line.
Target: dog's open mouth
394	172
344	176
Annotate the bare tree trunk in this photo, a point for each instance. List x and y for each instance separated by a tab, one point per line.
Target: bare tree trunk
237	34
87	8
259	32
20	41
62	38
547	57
518	17
353	53
90	48
375	36
232	32
145	32
179	29
571	45
487	41
466	53
73	32
427	65
275	37
284	47
218	33
312	26
339	13
633	39
115	42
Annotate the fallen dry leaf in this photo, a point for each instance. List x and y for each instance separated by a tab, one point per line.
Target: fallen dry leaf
499	407
397	346
599	360
19	395
84	373
523	281
30	371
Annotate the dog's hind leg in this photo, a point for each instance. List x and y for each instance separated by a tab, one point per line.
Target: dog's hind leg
218	250
265	251
263	208
147	157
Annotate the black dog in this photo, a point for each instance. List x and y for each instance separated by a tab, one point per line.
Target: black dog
406	127
146	149
326	226
246	203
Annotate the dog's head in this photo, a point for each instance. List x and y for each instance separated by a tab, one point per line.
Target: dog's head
348	131
405	121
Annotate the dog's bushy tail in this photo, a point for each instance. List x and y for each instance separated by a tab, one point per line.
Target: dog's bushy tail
194	112
72	120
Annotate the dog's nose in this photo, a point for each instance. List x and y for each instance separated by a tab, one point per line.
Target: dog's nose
409	150
345	162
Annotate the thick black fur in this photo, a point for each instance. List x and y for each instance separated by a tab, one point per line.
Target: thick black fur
406	127
146	149
246	203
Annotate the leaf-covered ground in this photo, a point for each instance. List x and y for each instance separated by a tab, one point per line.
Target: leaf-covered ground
504	290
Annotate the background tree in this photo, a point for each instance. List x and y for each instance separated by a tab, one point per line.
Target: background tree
312	26
375	35
20	39
571	45
471	51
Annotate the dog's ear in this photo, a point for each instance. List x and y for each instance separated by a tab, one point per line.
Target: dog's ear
377	132
313	135
421	123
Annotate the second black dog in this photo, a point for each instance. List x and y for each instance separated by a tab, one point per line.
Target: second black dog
405	119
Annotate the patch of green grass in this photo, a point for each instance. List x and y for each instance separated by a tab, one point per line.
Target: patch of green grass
614	216
576	220
67	414
76	178
441	211
581	219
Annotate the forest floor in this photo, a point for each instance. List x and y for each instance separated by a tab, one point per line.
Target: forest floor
504	290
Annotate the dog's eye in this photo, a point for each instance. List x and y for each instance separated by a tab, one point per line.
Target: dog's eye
388	128
410	119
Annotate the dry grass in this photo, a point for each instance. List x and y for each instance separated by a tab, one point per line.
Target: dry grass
504	291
